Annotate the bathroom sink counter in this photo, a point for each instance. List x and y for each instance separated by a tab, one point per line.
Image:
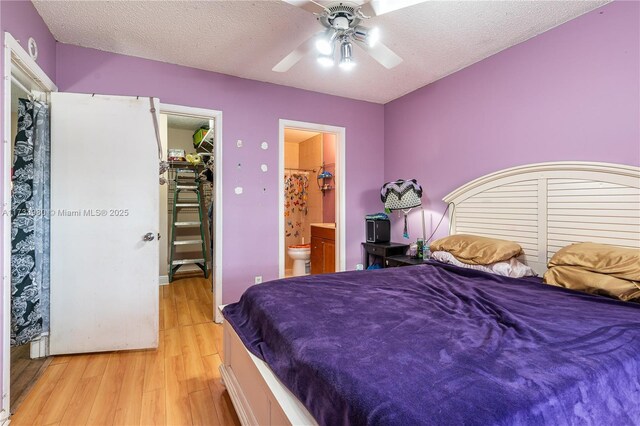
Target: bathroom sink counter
324	225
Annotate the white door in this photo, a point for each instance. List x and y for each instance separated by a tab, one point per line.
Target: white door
104	224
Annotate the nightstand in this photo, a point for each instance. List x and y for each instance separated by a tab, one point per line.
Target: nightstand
382	251
403	260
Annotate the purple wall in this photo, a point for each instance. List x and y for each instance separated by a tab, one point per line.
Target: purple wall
22	20
251	111
571	93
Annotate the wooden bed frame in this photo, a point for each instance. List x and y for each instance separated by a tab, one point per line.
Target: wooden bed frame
543	207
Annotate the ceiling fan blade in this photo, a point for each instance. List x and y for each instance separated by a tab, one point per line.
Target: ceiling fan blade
294	57
380	7
308	5
381	53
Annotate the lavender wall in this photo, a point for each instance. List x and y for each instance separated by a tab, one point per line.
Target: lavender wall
571	93
22	20
251	111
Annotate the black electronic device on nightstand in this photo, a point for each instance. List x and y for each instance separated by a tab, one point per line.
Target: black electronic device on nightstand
378	231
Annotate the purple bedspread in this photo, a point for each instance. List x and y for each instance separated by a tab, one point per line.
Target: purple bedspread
443	345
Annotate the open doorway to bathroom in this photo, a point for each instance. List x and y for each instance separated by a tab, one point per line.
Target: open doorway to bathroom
311	208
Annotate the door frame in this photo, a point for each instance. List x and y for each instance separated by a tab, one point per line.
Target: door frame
30	71
216	261
340	190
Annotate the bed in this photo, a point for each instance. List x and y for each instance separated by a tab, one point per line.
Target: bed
437	344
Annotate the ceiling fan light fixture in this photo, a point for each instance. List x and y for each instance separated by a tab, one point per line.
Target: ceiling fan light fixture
347	64
326	60
324	43
346	56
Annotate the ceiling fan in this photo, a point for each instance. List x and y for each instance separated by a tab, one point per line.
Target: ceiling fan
341	21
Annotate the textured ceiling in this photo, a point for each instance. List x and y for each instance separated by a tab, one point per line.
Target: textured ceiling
186	122
297	136
247	38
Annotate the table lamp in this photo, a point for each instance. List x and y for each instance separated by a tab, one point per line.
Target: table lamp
402	195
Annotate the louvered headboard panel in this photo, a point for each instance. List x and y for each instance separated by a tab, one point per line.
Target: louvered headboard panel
547	206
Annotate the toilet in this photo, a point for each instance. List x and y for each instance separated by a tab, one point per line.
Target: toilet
300	253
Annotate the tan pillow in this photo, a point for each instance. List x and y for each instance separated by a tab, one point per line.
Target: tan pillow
576	278
618	262
476	250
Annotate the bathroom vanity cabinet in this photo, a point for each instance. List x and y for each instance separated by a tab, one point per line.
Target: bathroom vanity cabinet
323	249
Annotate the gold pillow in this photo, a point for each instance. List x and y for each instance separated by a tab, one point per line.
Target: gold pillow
476	250
623	263
576	278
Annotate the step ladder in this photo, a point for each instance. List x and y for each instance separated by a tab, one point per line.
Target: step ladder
187	182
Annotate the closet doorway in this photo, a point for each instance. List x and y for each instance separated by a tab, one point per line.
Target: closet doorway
311	200
26	89
190	209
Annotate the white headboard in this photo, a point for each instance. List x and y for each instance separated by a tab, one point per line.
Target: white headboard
547	206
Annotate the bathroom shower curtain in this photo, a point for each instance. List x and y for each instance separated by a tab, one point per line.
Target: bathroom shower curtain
295	203
30	225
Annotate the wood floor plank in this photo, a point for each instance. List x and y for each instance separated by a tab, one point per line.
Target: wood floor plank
60	359
31	408
203	411
218	339
172	342
203	290
211	364
154	367
153	408
78	410
24	373
129	406
66	386
164	291
194	369
161	311
19	360
96	365
198	316
178	410
179	289
182	307
205	336
104	405
190	289
170	313
224	407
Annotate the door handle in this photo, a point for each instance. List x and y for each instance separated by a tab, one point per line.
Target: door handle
149	236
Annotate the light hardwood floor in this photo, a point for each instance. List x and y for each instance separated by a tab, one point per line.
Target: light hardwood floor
24	373
177	384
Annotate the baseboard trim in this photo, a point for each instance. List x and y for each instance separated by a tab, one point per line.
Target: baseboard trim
39	348
164	279
4	419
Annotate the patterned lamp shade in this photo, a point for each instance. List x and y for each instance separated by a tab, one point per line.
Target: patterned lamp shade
401	194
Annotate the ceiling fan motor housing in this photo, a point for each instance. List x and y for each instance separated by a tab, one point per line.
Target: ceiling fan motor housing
340	16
